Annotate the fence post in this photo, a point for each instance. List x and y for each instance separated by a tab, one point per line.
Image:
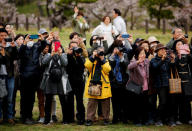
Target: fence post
186	27
60	26
27	23
38	23
131	28
164	26
146	26
17	23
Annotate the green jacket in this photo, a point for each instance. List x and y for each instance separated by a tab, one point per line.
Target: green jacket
170	44
79	26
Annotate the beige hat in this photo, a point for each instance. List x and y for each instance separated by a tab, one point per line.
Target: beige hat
152	39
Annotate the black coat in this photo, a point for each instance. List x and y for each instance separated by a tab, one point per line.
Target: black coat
29	59
161	71
183	67
11	54
75	68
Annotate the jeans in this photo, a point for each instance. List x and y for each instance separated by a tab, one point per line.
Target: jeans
10	89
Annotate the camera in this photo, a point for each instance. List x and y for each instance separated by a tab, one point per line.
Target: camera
99	38
100	53
77	50
122	49
8	39
186	36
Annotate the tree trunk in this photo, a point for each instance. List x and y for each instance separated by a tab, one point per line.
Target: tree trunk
40	8
158	23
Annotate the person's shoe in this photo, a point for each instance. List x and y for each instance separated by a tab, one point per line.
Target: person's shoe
65	122
159	123
114	121
41	120
149	122
80	122
1	121
88	123
178	123
54	118
29	121
46	123
106	122
172	124
190	122
138	124
11	121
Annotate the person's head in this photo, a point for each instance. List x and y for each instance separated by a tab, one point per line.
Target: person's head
3	34
43	32
46	49
106	20
161	50
145	45
177	32
9	28
116	12
19	39
152	43
80	15
138	40
140	53
73	44
94	40
177	44
2	25
74	37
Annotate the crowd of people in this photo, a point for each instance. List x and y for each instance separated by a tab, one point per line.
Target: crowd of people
132	75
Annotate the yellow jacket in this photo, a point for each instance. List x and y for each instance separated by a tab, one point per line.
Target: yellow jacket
106	88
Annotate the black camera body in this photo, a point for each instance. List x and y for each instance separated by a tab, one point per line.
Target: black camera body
100	53
77	50
122	49
8	39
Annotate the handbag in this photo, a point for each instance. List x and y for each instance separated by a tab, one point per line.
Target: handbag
175	83
94	89
133	87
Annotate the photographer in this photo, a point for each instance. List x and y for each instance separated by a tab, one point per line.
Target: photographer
3	74
55	67
118	78
30	75
11	54
99	69
75	37
160	65
97	41
75	70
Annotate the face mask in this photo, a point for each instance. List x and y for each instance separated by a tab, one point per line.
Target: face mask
123	42
98	42
30	44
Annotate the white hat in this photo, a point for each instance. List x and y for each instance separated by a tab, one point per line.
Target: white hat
152	39
42	31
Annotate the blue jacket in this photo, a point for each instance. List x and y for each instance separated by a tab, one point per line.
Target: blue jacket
161	71
29	59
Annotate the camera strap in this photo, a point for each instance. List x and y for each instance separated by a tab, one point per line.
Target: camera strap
101	74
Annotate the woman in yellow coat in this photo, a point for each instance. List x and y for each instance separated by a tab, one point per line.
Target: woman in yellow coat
99	69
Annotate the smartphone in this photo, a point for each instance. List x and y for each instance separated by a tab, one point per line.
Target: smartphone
57	45
125	36
8	39
34	37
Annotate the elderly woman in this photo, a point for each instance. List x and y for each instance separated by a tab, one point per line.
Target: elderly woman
181	102
139	74
99	69
106	30
57	82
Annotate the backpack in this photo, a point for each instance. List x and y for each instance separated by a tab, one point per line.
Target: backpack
55	72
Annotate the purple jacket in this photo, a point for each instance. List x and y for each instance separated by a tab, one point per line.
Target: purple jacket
136	73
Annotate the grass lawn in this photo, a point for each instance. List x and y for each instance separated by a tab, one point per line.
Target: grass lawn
97	126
